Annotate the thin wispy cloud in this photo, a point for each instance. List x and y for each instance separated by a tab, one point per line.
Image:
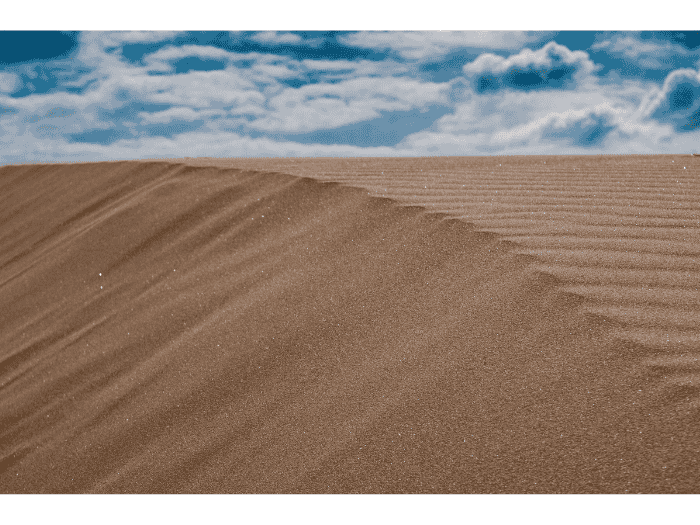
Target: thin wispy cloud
277	37
421	45
633	48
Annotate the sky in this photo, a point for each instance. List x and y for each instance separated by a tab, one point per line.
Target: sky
103	95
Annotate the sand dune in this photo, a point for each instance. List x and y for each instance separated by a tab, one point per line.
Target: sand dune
628	224
243	325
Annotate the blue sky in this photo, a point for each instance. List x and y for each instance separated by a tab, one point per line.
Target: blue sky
93	95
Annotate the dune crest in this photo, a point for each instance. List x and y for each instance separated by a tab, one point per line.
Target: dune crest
623	232
178	327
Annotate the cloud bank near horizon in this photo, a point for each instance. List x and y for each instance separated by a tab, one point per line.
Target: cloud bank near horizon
120	95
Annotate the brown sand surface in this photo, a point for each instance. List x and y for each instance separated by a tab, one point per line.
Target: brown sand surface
225	325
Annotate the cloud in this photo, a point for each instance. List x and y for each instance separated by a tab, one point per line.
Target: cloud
326	106
255	67
127	101
649	54
56	112
164	60
583	128
9	82
171	53
31	122
100	48
131	105
200	89
421	45
277	38
631	47
267	68
177	114
594	117
678	101
160	107
346	69
124	99
602	129
553	66
192	144
506	109
136	37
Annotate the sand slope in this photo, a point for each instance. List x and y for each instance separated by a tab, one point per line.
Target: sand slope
623	232
261	332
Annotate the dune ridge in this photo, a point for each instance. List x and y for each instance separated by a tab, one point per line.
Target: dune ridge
216	325
629	225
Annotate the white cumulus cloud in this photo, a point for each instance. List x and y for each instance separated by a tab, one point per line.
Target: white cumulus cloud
584	127
678	101
552	65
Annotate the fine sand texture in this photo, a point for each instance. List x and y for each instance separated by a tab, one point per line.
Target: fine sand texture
429	325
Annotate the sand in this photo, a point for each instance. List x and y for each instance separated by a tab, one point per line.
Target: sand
485	325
